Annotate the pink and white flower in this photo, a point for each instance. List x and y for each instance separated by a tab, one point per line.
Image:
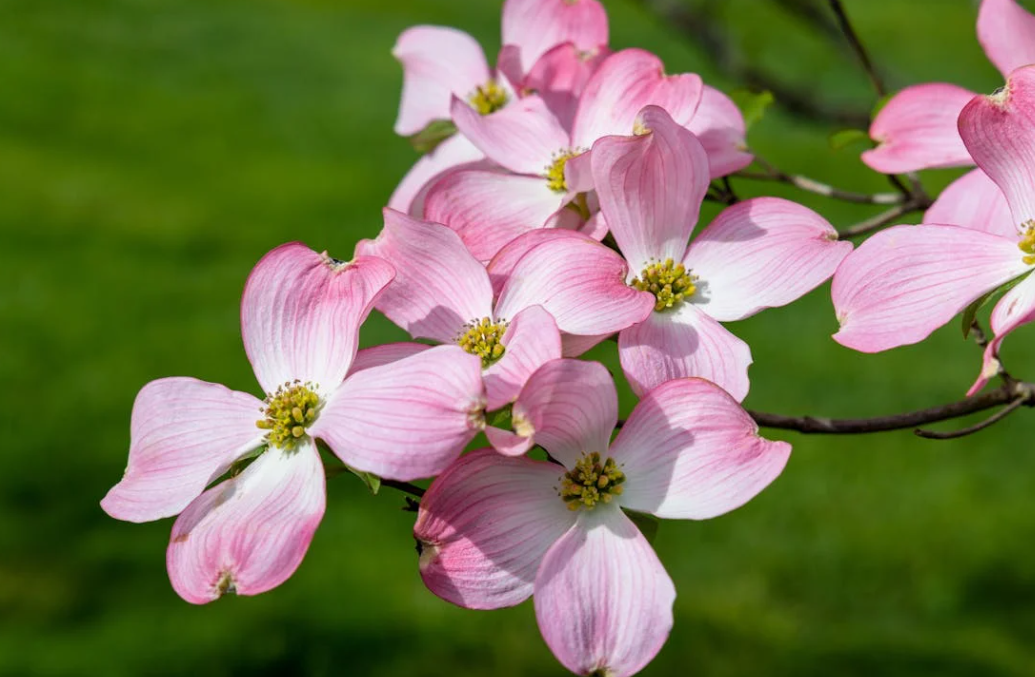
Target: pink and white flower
300	318
758	254
907	281
545	164
494	530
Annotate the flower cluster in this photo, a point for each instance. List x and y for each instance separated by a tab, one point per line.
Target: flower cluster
557	210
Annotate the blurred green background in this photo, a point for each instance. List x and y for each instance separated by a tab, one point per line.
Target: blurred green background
152	150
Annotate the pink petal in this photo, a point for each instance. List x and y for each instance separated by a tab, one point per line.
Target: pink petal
973	201
438	63
536	26
484	526
626	82
1015	309
762	253
249	534
916	129
407	419
999	131
905	282
531	340
719	126
387	353
651	187
690	451
488	209
1007	32
559	77
569	407
580	282
683	342
502	264
456	152
602	598
184	433
524	137
439	286
301	312
573	345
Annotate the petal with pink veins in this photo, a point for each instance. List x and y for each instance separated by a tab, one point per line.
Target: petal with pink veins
973	201
580	282
1015	309
407	419
559	77
503	263
524	137
301	312
1007	32
719	125
651	187
624	84
387	353
905	282
248	534
536	26
916	129
602	597
184	433
484	526
438	63
438	287
999	131
488	209
682	342
454	153
762	253
531	340
690	451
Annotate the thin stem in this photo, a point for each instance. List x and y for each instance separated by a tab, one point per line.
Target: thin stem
405	487
990	421
1008	393
884	218
857	47
819	188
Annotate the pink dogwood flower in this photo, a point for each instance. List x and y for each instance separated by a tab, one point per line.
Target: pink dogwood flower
494	530
907	281
440	63
545	164
300	318
757	254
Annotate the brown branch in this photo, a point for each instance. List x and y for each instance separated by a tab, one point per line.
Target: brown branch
1008	393
857	47
771	173
884	218
988	422
405	487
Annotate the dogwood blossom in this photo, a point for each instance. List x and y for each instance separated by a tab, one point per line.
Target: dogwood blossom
300	318
494	530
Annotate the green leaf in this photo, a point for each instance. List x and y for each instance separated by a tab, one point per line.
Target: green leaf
847	137
970	312
503	418
752	105
428	139
647	524
372	481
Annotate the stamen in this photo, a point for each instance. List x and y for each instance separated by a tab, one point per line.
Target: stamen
591	482
1027	243
555	170
288	413
483	338
671	283
489	98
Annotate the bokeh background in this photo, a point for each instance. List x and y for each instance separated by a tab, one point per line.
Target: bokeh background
152	150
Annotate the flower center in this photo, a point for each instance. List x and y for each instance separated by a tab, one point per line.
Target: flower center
488	98
289	411
591	482
1027	243
484	339
670	282
555	170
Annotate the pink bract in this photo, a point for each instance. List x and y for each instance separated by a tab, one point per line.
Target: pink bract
300	317
495	530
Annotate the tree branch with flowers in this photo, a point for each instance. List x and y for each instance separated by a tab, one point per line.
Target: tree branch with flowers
556	208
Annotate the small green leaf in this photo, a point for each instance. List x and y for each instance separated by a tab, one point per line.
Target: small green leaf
752	105
372	481
503	418
428	139
647	524
970	312
847	137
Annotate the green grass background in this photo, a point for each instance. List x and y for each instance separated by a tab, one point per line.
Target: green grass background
152	150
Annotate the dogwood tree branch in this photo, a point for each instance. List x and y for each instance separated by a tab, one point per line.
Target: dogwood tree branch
857	47
884	218
771	173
